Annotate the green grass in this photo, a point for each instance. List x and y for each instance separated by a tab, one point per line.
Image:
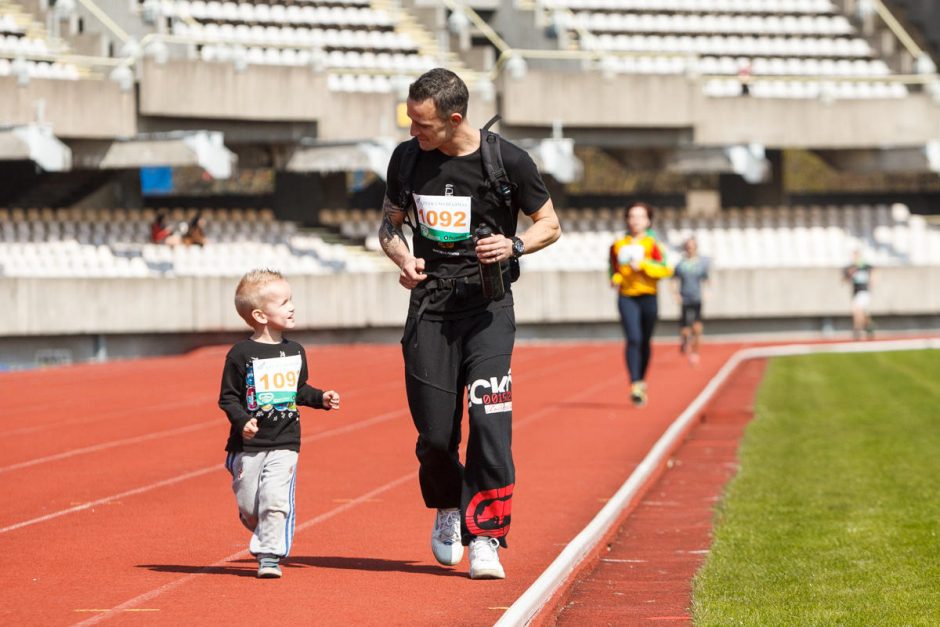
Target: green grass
834	517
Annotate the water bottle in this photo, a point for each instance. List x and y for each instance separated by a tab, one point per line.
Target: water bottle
491	274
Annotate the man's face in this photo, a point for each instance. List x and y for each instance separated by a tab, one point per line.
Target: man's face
432	132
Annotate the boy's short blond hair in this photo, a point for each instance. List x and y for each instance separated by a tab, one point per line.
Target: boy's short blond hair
248	294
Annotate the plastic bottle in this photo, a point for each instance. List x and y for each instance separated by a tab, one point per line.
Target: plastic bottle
491	274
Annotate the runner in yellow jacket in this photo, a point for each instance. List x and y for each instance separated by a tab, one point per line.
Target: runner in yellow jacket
637	263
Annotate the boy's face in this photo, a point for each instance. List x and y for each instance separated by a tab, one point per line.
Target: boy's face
277	310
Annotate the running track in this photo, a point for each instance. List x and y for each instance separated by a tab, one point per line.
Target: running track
118	507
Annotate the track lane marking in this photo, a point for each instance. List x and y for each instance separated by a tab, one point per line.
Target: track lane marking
152	594
362	424
107	445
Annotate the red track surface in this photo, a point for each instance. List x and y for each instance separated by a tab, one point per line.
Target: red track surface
118	507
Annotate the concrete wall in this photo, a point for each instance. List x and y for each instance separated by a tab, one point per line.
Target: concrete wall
651	101
42	307
194	89
94	109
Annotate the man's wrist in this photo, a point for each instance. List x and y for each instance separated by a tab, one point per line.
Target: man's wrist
518	247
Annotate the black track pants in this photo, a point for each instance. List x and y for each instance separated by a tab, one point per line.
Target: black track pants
442	358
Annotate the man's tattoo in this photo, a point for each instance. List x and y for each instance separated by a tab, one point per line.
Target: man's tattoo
388	231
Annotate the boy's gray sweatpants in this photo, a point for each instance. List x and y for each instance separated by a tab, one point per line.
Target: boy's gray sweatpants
263	483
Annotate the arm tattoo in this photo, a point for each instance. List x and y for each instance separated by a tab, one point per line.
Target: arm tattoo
388	232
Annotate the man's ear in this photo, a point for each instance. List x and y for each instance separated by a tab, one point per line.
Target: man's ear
456	119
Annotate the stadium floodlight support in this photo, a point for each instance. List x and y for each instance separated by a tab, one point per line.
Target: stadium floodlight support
36	143
205	149
105	20
749	161
311	155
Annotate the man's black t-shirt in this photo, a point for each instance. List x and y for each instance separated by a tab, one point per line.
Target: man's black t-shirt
452	197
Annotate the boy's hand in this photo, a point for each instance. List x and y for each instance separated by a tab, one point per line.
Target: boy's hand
331	399
251	428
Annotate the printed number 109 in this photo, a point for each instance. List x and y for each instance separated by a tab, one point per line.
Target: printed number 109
279	379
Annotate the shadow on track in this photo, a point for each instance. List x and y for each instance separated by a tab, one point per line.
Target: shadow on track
204	570
373	564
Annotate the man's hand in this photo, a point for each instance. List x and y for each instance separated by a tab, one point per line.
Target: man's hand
331	399
412	272
494	248
251	429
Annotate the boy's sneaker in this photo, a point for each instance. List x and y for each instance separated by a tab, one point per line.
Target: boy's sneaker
268	567
484	559
445	538
638	393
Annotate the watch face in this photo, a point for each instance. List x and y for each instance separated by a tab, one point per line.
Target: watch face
518	246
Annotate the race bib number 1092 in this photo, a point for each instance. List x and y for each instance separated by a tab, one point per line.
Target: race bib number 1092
443	218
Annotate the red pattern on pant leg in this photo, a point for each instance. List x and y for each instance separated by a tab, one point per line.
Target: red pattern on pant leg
490	512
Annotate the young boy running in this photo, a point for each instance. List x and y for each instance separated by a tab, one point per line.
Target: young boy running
263	382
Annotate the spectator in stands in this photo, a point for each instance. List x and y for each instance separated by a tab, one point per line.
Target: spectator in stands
195	234
860	274
455	336
637	263
160	233
744	77
263	381
692	279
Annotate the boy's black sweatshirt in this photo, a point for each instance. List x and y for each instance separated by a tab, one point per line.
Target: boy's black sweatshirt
278	425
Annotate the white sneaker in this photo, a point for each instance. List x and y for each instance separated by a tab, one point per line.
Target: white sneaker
445	538
484	559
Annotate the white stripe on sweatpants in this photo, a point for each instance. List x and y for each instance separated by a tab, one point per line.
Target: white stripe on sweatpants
263	483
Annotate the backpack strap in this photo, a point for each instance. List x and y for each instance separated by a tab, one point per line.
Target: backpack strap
499	181
406	179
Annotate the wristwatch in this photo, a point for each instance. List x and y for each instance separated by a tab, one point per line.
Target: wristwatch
518	247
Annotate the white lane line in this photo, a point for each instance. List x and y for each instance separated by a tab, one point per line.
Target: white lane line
107	415
152	594
112	444
196	473
528	605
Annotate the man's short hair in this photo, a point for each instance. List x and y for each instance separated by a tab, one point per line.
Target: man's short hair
445	88
249	290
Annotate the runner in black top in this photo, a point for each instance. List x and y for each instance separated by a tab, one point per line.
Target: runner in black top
454	337
859	273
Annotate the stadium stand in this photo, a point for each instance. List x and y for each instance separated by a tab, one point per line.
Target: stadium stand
749	237
115	243
802	41
311	92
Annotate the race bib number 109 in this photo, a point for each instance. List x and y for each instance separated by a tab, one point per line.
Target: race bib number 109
276	379
443	218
